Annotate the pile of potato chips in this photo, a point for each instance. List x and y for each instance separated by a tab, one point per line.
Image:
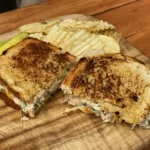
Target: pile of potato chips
76	37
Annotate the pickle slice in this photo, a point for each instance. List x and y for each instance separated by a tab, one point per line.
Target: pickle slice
16	39
2	42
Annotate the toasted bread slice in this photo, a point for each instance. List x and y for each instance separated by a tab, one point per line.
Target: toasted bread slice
113	86
31	71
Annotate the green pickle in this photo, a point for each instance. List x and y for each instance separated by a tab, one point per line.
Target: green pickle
2	42
13	41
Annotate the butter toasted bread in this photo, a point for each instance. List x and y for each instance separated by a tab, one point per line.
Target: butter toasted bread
31	72
113	86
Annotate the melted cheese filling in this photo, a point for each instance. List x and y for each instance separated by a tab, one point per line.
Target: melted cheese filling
32	108
27	108
146	123
92	108
5	90
88	107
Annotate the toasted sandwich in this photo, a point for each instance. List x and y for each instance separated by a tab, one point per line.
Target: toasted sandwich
114	87
30	72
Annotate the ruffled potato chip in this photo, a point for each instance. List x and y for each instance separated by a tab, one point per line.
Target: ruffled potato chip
79	42
112	33
110	45
91	26
77	37
38	27
36	35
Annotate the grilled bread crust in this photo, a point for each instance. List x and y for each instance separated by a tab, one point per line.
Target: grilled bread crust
120	84
29	67
8	101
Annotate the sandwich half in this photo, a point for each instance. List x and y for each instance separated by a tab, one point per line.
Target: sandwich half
114	87
30	72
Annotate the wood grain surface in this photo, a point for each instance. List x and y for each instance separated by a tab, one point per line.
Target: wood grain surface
131	17
54	8
133	21
51	130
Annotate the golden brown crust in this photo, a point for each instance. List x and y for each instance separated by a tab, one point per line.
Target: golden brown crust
29	67
116	81
9	88
75	71
101	68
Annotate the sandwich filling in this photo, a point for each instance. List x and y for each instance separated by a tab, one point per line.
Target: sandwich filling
114	85
4	89
88	107
32	108
31	72
146	123
96	109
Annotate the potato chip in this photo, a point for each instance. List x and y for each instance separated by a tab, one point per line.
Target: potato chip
78	37
90	43
33	28
50	25
53	33
36	35
74	40
81	41
84	45
38	27
91	26
43	37
77	46
56	36
110	45
94	52
112	33
65	36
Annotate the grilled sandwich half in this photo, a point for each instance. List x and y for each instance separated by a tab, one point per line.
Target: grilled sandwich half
30	72
113	86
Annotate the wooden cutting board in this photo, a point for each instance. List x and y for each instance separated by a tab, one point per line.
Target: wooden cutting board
51	130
